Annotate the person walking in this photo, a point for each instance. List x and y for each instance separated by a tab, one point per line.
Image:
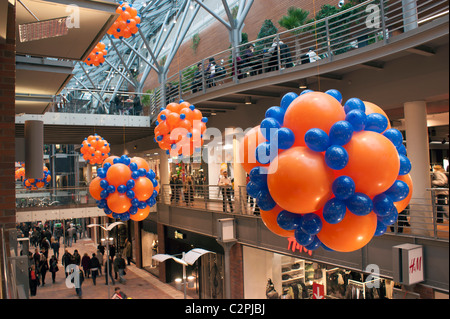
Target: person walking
33	280
127	251
94	265
55	246
85	263
225	185
43	267
77	280
76	258
119	266
53	267
66	260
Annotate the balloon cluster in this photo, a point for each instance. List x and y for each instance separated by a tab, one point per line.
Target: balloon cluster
35	183
127	24
125	188
180	128
20	172
95	149
97	55
330	175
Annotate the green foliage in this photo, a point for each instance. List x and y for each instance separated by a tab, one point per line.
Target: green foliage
267	29
295	18
195	42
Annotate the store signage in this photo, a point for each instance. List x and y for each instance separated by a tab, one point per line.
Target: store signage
179	235
294	246
318	291
408	264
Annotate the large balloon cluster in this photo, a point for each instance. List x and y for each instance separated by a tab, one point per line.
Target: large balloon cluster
180	128
97	55
125	188
127	24
95	149
330	175
35	183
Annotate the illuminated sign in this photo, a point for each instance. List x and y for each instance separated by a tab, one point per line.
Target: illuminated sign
294	246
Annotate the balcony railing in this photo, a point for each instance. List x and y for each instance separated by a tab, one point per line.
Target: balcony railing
50	198
423	217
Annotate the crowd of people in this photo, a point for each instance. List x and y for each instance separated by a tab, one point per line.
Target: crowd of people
78	267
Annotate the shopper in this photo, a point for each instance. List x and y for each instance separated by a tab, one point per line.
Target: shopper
85	263
128	251
77	280
66	260
119	266
108	271
55	247
189	191
225	186
118	294
43	267
33	280
76	258
94	266
440	180
53	264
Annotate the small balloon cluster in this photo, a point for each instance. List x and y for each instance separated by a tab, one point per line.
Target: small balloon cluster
330	175
125	188
20	172
97	55
179	130
127	24
95	149
35	183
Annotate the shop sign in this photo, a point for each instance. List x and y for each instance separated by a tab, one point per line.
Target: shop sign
294	246
318	291
408	264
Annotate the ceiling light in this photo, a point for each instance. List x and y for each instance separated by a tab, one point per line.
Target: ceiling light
43	29
302	87
248	100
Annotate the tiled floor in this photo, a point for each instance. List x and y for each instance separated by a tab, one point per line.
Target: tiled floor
139	283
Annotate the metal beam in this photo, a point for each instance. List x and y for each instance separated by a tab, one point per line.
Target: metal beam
226	24
121	59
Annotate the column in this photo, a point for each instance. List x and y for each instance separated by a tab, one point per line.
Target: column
34	149
410	16
240	180
164	176
417	146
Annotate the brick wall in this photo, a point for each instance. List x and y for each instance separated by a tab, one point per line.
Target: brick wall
237	272
215	38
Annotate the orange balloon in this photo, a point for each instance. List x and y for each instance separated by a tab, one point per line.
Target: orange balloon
401	205
172	120
373	108
172	107
270	220
352	233
118	203
156	188
95	189
197	115
118	174
312	110
143	188
141	163
247	148
299	180
141	214
188	113
165	112
40	184
373	162
110	160
162	128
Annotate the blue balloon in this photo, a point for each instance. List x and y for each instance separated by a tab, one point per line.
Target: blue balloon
130	184
151	174
306	91
343	187
135	202
130	194
253	189
382	204
101	173
124	216
389	219
115	215
303	238
265	201
359	204
311	224
268	127
142	205
401	150
381	229
325	247
276	113
106	166
336	94
334	211
287	100
125	159
405	165
288	220
336	157
134	174
104	193
357	119
316	243
376	122
285	138
258	175
104	184
398	191
204	119
111	189
395	136
133	166
121	189
263	153
341	133
142	172
354	104
133	210
116	160
317	140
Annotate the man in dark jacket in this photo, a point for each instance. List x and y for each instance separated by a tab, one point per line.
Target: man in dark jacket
119	266
94	265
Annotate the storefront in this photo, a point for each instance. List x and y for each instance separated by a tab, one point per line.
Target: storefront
292	277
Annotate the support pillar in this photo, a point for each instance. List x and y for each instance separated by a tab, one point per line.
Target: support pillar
410	16
34	149
240	178
417	146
